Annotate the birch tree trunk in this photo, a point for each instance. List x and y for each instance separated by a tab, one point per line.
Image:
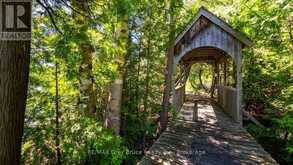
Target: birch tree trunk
113	119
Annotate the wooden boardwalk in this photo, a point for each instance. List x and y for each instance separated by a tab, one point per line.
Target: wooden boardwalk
213	140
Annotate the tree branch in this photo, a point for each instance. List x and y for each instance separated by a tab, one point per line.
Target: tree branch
51	14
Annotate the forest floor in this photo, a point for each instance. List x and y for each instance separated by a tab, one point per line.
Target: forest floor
213	139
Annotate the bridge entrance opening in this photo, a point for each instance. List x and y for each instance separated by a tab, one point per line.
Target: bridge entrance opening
207	72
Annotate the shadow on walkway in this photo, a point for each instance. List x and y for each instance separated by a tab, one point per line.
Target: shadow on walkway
214	139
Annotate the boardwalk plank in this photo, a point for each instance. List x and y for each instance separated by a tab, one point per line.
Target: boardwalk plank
213	139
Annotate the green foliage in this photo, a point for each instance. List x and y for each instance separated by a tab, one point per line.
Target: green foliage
174	113
83	140
193	83
270	139
267	76
88	142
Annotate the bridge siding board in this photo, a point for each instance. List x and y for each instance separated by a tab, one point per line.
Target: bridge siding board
212	36
217	21
212	124
239	82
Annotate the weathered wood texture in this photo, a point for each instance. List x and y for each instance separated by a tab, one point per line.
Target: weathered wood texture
212	44
210	39
227	98
203	18
214	139
179	97
180	83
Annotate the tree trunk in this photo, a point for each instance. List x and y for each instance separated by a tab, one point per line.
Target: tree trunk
200	81
170	5
14	73
14	69
113	120
214	80
57	116
137	90
147	80
115	101
290	24
167	92
87	88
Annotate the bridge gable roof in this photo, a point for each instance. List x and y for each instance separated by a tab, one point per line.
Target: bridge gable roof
217	21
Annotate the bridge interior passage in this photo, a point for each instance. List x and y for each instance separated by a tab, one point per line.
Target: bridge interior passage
221	90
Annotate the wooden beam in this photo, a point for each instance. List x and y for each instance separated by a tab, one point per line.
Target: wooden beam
225	72
251	118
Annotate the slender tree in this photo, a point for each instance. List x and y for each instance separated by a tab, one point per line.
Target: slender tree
57	116
170	7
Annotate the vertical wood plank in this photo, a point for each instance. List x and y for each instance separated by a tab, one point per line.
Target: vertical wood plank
239	82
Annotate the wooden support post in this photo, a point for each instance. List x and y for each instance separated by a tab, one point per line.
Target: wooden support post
187	71
235	73
218	80
239	84
225	72
219	73
195	111
214	81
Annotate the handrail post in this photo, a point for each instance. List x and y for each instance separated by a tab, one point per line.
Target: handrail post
195	111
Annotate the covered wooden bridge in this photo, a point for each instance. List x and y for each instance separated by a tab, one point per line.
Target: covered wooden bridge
207	131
